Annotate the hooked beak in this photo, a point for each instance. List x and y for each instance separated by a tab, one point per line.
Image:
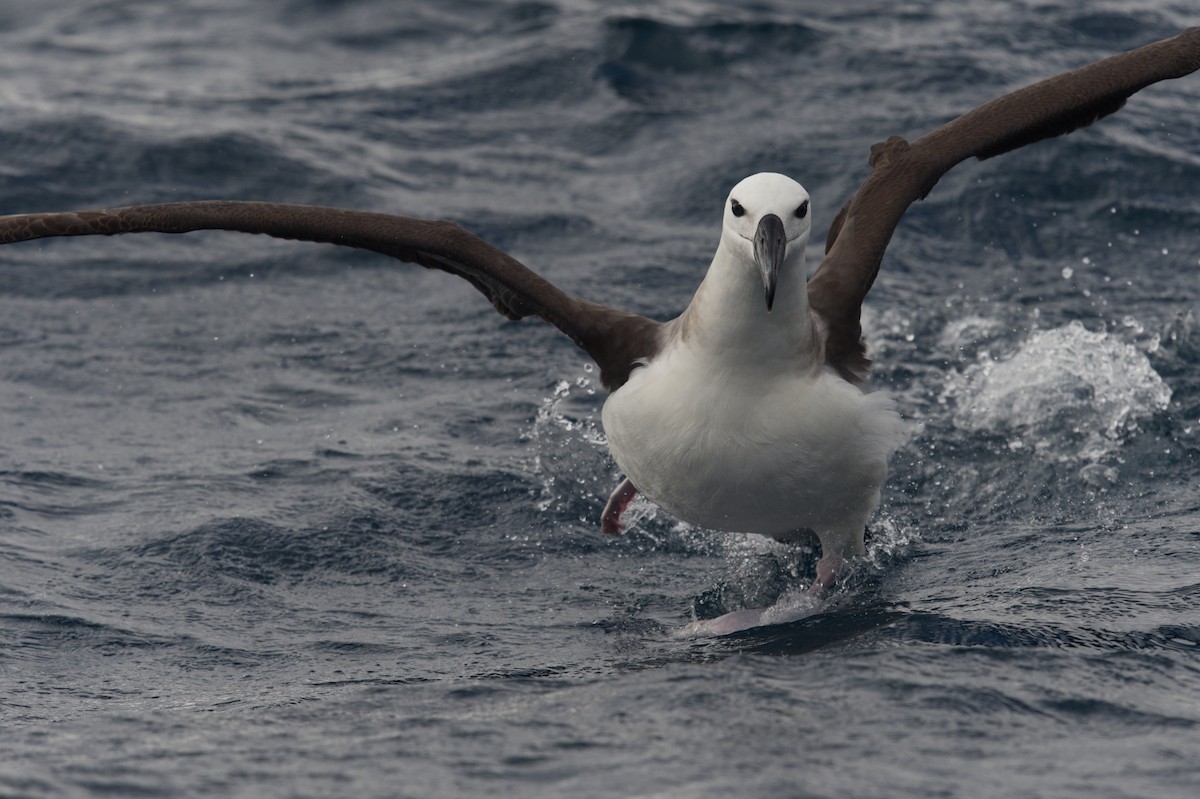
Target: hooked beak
770	244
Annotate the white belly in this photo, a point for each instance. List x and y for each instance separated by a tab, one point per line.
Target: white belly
746	449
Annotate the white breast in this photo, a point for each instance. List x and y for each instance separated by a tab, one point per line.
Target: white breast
746	447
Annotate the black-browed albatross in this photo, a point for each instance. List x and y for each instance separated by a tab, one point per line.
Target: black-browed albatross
746	412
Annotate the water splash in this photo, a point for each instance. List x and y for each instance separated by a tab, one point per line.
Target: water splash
570	452
1067	391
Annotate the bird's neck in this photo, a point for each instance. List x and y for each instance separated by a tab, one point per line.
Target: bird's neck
729	314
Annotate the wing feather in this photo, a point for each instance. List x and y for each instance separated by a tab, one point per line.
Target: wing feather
614	339
902	173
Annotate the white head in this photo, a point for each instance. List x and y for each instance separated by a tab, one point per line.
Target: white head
766	224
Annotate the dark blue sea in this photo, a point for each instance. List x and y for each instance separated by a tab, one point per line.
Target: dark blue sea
285	520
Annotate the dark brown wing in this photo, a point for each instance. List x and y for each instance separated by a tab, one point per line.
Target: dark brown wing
903	173
615	340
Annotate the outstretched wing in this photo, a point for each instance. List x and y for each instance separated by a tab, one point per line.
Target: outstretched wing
614	339
903	173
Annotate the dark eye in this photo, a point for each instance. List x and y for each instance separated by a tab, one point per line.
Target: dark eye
736	208
802	210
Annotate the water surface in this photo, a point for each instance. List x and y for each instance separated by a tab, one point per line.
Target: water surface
282	520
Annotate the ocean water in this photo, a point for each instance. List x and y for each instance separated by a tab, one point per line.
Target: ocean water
285	520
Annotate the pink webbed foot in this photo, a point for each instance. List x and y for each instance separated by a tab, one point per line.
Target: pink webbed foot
733	622
622	495
791	608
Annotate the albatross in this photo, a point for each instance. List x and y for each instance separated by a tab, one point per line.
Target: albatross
746	413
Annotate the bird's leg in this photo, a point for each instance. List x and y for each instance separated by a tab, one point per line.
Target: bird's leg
622	495
827	571
837	546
